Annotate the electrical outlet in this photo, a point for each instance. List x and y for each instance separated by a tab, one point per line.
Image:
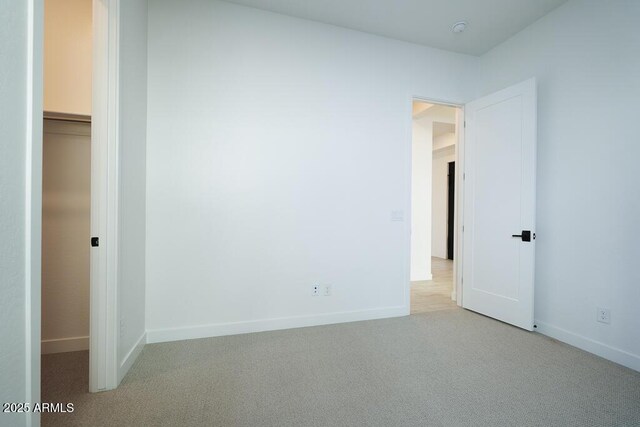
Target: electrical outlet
315	290
604	315
327	290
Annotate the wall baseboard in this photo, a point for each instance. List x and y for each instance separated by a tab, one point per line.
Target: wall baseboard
64	345
613	354
423	279
234	328
130	358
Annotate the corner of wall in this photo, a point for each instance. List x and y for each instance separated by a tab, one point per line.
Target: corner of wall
129	359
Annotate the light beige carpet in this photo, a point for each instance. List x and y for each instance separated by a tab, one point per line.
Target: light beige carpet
446	368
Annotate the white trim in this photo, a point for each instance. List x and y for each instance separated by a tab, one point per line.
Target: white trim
65	345
598	348
127	361
426	278
33	203
113	185
234	328
103	361
408	148
458	208
97	263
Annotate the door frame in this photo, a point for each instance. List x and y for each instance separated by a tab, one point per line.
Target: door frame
104	314
104	311
456	293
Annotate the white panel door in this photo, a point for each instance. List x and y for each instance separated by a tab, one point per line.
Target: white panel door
499	204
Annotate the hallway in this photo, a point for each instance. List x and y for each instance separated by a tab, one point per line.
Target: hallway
434	295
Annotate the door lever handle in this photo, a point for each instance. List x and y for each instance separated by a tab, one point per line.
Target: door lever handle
525	236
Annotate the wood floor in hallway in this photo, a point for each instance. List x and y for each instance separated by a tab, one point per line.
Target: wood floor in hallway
434	295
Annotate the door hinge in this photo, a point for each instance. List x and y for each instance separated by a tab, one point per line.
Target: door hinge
95	242
464	176
464	124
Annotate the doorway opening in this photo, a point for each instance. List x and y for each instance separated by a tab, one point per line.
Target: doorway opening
66	191
435	133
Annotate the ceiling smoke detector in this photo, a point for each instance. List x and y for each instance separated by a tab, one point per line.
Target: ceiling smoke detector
459	27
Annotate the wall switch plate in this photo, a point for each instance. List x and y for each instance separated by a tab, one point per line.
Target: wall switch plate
315	290
604	315
327	290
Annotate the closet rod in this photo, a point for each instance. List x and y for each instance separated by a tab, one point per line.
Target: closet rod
68	117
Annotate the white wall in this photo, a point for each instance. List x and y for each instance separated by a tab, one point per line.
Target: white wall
20	205
66	210
67	56
13	36
585	57
132	204
440	192
445	140
421	146
246	211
